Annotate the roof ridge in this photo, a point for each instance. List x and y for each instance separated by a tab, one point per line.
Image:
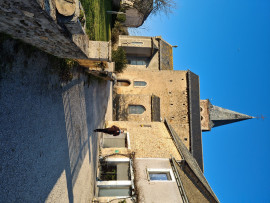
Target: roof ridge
190	160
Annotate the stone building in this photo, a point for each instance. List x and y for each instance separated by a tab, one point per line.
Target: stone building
163	118
152	53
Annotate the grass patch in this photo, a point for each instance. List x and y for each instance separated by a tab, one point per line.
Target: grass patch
63	67
98	22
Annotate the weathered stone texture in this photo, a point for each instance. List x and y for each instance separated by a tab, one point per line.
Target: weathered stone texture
141	139
123	101
34	23
138	46
39	24
100	51
170	86
205	118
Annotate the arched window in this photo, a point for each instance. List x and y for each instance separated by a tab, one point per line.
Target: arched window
123	83
136	109
139	83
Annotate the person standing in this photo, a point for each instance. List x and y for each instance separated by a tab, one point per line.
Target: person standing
114	130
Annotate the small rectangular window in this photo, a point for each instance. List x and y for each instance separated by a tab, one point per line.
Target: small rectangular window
120	141
114	191
139	83
160	175
137	62
115	177
114	171
137	43
114	141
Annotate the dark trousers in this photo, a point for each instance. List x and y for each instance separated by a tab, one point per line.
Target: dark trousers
108	131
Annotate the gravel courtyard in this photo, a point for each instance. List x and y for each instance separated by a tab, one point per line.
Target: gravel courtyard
48	151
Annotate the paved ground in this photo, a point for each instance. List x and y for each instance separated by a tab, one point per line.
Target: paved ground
109	112
48	151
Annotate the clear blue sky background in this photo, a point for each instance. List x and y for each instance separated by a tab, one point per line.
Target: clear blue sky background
227	43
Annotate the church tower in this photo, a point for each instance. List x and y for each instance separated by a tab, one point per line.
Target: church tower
213	116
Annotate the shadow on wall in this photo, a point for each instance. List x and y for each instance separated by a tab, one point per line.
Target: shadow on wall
46	131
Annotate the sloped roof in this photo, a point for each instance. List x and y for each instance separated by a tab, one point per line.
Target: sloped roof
220	116
195	117
190	160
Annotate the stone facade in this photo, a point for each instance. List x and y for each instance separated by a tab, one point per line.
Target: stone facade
169	86
205	117
147	53
149	139
39	24
152	89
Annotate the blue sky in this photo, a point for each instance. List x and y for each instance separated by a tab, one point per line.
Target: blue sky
227	43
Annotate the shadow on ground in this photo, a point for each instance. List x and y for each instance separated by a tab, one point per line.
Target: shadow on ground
47	148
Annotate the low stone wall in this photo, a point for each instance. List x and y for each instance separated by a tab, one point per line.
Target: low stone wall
38	23
33	22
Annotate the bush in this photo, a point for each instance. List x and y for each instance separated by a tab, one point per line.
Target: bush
115	35
117	30
81	17
120	59
63	67
121	18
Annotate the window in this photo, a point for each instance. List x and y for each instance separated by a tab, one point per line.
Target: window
122	83
114	191
114	171
115	178
121	141
137	43
160	175
139	83
136	109
137	62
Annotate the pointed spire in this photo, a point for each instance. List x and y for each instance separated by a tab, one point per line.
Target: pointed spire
220	116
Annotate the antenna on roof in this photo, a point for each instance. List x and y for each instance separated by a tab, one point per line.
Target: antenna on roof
262	117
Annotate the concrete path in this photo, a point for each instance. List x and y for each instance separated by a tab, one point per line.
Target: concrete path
48	151
109	112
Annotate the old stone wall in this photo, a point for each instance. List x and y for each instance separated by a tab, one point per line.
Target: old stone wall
205	117
122	107
48	151
35	23
139	46
170	86
149	139
38	23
